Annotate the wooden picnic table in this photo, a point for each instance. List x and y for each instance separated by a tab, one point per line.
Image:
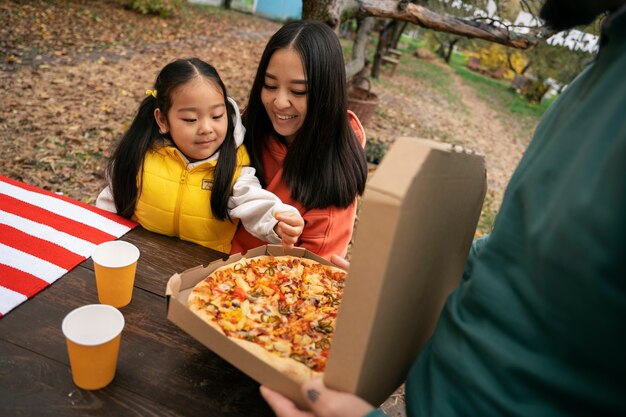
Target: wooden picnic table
161	370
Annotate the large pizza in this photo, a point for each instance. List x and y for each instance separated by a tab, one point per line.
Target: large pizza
281	308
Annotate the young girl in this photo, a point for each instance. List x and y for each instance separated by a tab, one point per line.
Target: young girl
306	146
181	169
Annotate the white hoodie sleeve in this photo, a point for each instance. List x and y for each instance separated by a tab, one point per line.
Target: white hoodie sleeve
105	200
255	207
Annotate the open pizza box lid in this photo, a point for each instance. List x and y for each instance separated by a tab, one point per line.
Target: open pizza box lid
418	217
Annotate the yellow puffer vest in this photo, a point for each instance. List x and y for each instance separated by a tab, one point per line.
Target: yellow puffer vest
176	200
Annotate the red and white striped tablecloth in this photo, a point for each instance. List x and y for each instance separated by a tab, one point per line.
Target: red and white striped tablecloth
44	235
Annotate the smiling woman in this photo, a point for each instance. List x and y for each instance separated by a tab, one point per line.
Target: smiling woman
174	169
306	146
284	93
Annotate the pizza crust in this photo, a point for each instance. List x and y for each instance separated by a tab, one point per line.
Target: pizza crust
207	318
293	369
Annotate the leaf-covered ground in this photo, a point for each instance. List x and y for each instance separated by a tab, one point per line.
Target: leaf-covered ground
73	72
72	75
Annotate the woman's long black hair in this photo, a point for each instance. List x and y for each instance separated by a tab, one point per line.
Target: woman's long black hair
143	133
325	165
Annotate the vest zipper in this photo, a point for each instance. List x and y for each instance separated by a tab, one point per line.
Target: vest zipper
179	199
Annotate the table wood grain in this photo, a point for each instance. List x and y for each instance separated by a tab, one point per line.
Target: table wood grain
161	370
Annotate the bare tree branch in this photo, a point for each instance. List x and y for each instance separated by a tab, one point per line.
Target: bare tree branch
334	11
426	18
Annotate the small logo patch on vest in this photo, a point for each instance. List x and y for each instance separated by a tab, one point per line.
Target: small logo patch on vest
207	185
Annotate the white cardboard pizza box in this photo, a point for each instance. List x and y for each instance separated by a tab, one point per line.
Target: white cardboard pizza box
416	224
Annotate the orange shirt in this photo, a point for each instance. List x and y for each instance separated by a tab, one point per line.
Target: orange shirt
328	230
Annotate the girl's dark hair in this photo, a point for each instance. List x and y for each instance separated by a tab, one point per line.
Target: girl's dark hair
325	165
143	133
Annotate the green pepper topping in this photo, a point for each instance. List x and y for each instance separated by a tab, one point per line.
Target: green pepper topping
297	357
325	327
284	309
332	297
323	344
273	319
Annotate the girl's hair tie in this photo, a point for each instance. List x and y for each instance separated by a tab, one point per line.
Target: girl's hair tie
152	93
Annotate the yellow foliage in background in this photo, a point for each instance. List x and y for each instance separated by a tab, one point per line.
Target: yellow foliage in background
494	56
518	60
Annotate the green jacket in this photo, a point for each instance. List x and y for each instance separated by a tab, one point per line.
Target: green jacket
538	324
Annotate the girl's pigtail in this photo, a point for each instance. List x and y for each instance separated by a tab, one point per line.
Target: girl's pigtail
225	169
126	162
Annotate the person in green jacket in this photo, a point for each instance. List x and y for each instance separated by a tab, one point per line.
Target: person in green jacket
537	325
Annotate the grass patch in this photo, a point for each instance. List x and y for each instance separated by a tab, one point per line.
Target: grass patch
497	93
431	75
427	72
409	43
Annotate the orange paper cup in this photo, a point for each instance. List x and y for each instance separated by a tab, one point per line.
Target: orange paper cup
115	264
93	334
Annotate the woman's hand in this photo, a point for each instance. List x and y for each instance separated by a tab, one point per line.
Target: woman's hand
323	402
289	227
340	262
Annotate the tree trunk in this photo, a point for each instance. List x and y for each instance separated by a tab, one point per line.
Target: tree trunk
384	38
227	4
319	10
359	49
441	50
328	11
450	49
398	34
378	54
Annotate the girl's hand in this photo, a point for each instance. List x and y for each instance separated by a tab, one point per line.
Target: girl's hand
289	227
323	402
